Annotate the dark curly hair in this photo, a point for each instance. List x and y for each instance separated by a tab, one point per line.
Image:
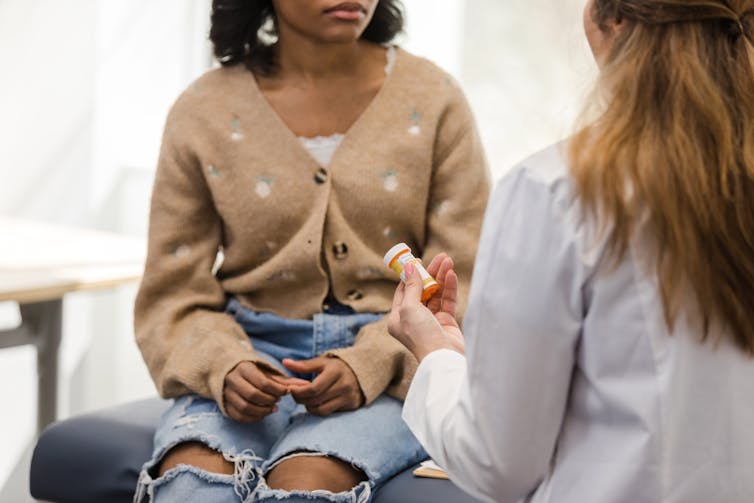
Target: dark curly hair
238	24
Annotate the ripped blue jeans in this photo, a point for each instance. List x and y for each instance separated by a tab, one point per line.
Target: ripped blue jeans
373	438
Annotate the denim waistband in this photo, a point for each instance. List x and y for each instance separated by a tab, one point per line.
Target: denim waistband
300	339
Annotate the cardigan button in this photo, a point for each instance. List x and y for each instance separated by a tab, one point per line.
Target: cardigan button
320	176
340	250
355	295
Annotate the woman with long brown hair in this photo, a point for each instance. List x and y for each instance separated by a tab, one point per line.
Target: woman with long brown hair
610	330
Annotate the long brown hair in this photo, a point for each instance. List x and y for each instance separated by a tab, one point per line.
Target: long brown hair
672	151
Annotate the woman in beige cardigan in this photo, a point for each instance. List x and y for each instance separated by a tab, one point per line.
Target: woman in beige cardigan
308	154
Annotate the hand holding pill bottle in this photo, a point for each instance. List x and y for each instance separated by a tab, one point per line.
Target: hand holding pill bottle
398	256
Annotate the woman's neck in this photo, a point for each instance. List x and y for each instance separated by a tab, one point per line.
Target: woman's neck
302	58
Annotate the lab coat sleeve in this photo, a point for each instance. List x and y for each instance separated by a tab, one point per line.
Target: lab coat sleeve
492	418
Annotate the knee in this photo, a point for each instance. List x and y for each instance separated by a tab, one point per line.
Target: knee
309	473
198	455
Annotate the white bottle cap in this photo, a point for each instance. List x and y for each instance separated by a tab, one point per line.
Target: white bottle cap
394	252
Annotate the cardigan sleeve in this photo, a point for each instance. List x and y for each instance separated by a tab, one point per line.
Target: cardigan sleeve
457	200
187	341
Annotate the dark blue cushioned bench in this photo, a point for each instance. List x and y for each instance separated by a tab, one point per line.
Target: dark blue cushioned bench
96	458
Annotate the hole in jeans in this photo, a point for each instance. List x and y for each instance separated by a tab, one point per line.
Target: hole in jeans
310	471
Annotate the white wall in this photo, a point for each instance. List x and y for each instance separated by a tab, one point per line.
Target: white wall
47	62
84	90
435	30
524	65
526	70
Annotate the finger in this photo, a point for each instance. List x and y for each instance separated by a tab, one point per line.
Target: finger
400	292
445	266
234	414
394	319
245	408
434	265
304	366
349	394
330	406
351	399
333	391
449	299
317	387
249	392
289	382
233	404
262	381
239	416
414	286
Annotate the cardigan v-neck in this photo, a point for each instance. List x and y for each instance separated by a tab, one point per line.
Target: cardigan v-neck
322	147
231	175
392	65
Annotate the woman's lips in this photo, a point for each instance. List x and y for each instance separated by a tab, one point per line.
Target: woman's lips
346	12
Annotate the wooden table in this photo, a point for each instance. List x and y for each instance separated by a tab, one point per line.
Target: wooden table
39	264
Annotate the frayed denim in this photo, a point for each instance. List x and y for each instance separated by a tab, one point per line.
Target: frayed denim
373	439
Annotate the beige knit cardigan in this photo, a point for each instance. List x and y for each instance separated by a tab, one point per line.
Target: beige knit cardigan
232	177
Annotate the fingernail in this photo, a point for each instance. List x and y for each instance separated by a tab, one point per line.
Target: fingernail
409	268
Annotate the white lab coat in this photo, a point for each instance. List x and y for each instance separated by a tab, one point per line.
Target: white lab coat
572	389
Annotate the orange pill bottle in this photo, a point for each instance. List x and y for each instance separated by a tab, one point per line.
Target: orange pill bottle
396	259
